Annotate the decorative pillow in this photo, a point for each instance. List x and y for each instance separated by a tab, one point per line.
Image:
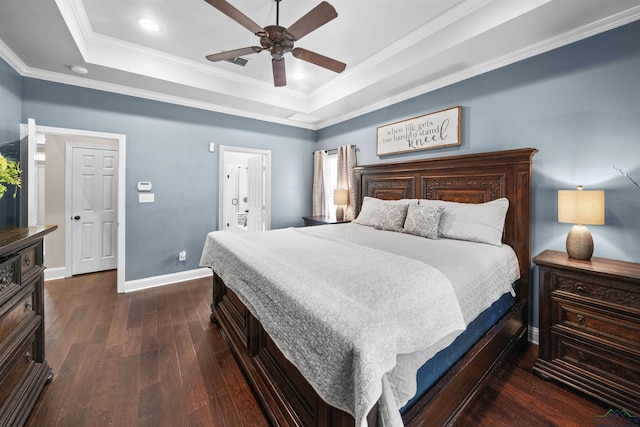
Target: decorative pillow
423	220
391	217
371	207
482	222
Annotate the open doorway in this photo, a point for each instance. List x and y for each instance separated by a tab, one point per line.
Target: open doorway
245	189
51	192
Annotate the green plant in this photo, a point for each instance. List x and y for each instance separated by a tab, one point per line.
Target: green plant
9	174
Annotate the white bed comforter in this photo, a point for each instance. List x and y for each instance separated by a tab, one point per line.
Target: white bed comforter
357	307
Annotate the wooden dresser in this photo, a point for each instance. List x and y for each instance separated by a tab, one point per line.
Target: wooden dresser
590	327
23	369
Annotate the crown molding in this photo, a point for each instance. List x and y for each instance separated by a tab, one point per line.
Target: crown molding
586	31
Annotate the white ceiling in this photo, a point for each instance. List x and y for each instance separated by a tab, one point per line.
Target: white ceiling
393	49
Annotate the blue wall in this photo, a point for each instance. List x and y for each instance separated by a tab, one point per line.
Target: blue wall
10	105
578	105
168	145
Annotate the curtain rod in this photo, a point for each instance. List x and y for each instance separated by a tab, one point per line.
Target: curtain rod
335	150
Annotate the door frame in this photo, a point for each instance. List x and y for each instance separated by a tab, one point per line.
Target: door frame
121	146
221	181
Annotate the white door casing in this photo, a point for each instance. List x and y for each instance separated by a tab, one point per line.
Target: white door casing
94	216
229	155
121	141
255	193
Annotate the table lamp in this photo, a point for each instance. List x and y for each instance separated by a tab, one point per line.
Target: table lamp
580	207
340	198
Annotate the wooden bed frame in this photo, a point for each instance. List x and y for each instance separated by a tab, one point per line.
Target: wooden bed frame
289	400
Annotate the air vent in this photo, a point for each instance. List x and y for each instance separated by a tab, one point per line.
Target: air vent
238	61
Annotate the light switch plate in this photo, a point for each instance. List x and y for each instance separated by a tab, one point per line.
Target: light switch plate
146	198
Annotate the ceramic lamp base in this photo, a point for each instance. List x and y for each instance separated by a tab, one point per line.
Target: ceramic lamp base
339	213
579	243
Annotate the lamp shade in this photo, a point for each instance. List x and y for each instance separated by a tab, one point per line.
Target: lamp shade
340	197
584	207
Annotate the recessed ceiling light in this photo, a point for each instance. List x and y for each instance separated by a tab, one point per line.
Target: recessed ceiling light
79	70
149	24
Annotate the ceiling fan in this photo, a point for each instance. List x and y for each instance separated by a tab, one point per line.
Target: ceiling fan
279	40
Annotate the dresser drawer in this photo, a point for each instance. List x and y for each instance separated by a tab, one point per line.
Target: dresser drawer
16	311
16	365
614	294
619	369
9	277
30	260
621	329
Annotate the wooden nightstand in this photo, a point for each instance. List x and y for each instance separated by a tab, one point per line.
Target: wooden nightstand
321	220
590	327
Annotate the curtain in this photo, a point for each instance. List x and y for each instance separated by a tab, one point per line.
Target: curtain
320	163
347	177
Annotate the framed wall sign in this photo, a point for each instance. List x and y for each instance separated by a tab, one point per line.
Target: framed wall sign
434	130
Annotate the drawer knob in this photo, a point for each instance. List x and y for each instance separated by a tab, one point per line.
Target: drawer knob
27	260
581	319
581	356
28	357
580	289
28	306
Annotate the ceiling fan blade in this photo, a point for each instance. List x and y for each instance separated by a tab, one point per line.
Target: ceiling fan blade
321	60
315	18
236	15
279	74
230	54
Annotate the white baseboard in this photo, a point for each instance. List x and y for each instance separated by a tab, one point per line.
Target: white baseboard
534	335
166	279
54	273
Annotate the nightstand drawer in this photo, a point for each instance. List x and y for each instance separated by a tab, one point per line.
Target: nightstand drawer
610	294
619	369
624	330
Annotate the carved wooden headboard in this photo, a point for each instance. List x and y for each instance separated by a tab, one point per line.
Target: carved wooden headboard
470	178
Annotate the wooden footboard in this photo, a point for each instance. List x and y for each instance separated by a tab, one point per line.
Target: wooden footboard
289	400
287	397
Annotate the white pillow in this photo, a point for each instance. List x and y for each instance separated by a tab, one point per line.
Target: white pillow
423	220
481	222
371	209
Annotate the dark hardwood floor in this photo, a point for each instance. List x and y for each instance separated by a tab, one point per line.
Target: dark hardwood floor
153	358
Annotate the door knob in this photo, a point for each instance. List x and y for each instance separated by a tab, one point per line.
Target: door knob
77	217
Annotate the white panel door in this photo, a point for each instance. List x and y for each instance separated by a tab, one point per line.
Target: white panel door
94	210
255	193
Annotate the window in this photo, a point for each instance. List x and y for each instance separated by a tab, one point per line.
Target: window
330	183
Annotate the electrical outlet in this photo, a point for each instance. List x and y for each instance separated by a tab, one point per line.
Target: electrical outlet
182	256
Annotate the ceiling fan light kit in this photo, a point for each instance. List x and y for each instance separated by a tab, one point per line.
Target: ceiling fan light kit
279	40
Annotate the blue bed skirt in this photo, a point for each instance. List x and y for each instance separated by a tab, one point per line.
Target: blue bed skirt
439	364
